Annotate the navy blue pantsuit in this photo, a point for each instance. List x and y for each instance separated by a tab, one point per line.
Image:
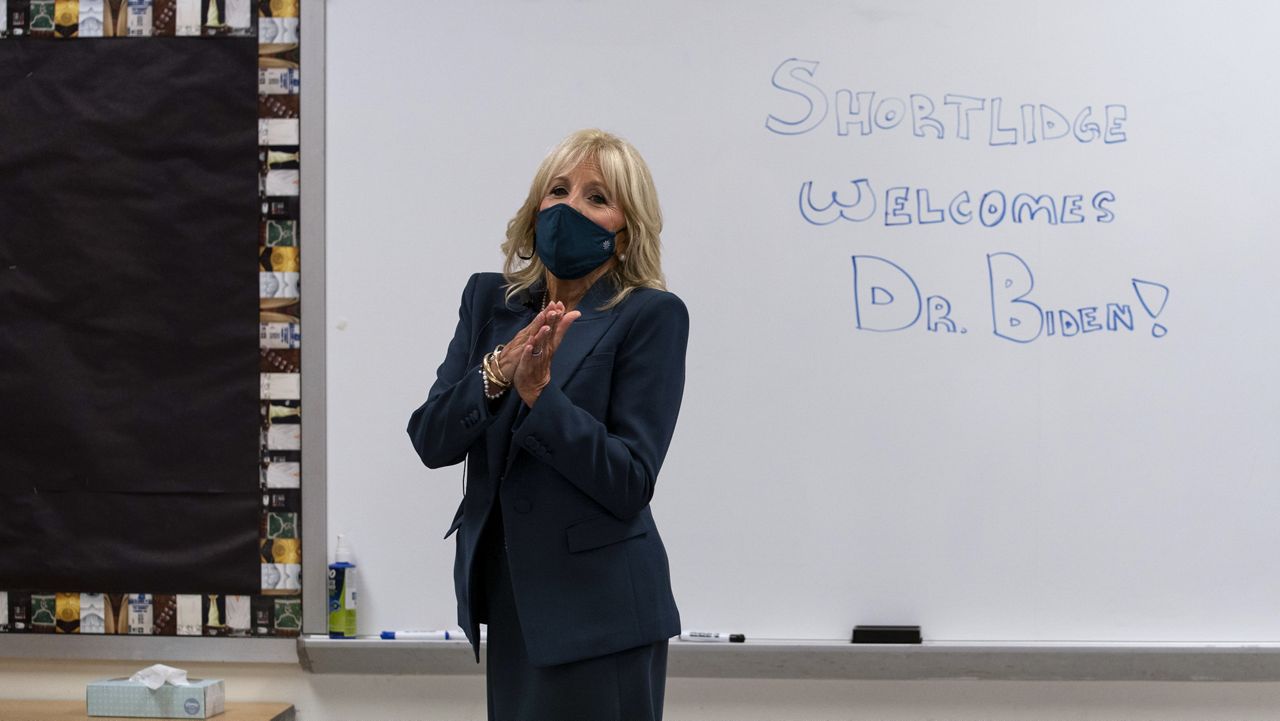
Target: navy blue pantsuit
580	579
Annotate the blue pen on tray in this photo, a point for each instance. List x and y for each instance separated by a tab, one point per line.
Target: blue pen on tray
433	635
422	635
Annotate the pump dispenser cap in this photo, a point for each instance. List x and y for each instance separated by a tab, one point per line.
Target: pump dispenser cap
342	554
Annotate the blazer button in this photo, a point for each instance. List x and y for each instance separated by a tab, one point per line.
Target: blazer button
523	505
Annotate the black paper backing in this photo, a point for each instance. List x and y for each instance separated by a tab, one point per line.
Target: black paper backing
129	214
131	542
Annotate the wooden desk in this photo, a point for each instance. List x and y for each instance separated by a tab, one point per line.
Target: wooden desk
75	711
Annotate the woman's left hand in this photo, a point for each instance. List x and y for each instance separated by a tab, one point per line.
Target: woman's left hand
533	368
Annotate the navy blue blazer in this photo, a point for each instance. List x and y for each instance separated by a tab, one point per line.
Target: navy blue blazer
575	472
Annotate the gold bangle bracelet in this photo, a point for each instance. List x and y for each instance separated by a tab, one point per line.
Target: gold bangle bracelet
490	375
497	365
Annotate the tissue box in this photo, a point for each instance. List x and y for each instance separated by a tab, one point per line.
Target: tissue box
122	697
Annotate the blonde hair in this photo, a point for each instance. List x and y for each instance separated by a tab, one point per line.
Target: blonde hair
627	179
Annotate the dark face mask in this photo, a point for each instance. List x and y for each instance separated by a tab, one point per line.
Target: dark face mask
569	243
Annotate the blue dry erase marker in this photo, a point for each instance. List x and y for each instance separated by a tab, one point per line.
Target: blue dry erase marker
423	635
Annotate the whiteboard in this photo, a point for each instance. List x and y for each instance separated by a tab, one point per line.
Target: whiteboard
1017	385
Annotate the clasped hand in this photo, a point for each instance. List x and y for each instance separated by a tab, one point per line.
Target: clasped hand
526	358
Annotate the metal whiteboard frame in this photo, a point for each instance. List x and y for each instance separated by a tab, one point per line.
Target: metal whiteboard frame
776	659
841	660
315	487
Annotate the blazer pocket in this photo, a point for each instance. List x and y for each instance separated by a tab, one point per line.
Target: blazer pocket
457	521
602	530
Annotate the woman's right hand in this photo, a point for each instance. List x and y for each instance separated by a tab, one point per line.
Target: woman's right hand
509	358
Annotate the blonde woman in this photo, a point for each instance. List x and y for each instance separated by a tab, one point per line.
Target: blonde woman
560	390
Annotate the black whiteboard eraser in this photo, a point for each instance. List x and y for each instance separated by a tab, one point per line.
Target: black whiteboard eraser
886	634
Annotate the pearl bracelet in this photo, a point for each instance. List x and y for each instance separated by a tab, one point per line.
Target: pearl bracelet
487	394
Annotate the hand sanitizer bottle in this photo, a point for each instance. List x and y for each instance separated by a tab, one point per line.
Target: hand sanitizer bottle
342	593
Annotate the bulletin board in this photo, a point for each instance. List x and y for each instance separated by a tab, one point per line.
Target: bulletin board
150	472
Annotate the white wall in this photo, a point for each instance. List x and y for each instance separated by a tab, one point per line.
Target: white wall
461	698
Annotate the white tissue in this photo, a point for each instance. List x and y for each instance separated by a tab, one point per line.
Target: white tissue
153	677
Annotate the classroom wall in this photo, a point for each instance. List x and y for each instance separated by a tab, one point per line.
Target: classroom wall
461	698
349	697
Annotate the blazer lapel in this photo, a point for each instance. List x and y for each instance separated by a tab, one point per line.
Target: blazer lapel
585	332
508	318
578	341
582	336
